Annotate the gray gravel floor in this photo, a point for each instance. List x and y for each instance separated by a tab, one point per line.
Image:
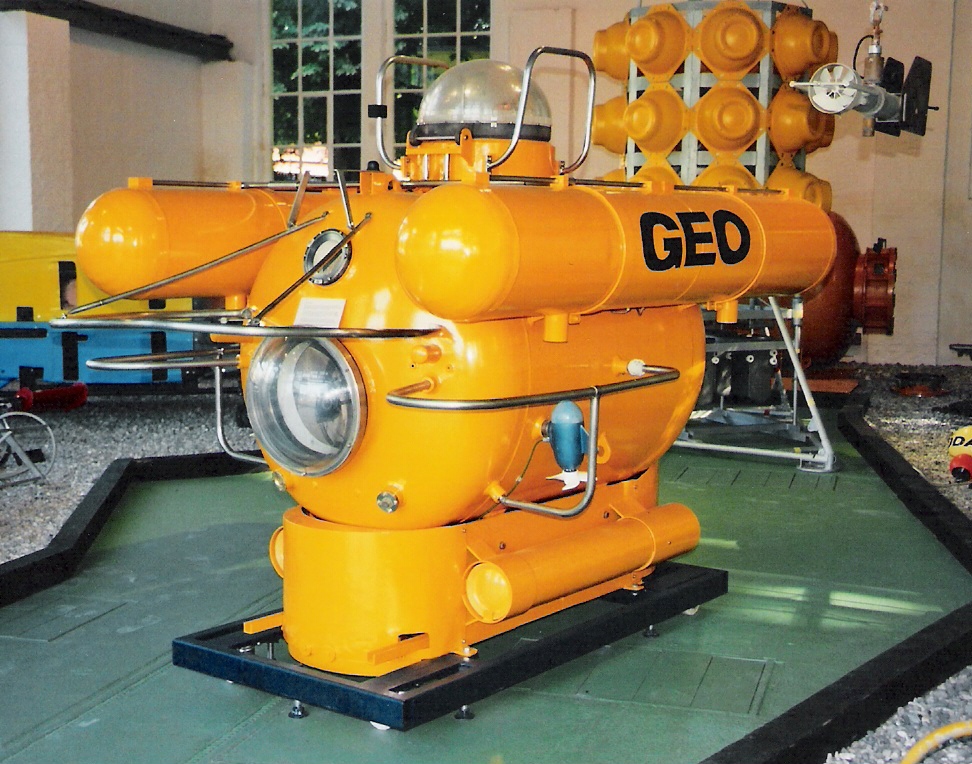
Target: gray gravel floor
90	438
106	428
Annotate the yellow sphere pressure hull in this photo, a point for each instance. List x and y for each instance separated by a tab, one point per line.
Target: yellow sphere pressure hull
533	290
445	467
365	602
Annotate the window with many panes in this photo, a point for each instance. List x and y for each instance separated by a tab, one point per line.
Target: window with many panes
317	72
444	30
316	86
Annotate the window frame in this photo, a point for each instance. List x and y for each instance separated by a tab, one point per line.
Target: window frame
329	96
377	44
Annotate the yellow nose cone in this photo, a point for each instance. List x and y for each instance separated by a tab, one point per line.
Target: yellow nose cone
610	55
656	120
794	123
658	42
802	185
607	125
800	43
728	118
731	39
726	175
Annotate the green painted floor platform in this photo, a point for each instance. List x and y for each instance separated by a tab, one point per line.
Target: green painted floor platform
826	572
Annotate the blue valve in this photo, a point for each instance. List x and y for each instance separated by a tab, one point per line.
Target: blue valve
568	438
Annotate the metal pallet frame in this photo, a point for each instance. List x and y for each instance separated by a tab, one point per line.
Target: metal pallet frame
412	696
822	458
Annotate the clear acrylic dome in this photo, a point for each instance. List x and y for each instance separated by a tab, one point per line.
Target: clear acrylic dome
482	95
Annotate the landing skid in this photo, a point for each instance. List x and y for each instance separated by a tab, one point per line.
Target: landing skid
412	696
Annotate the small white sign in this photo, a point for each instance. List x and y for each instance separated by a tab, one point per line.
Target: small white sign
571	480
320	312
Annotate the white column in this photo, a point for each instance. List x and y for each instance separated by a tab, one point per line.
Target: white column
36	169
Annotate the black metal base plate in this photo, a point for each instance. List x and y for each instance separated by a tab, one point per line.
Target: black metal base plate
412	696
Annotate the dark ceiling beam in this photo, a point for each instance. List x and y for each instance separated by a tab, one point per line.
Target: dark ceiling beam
127	26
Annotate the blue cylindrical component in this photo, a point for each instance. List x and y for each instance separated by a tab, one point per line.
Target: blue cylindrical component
568	439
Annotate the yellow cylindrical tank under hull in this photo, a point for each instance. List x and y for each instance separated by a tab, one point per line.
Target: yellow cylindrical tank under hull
366	602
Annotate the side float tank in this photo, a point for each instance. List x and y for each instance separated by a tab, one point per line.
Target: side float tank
412	349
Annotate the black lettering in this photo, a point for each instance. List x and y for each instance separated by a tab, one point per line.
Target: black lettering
720	220
693	238
958	440
672	244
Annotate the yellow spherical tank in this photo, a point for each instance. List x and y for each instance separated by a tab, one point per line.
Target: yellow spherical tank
656	120
658	42
477	449
728	118
731	38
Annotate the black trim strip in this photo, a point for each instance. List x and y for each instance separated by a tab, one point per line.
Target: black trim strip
127	26
945	521
22	334
855	704
479	130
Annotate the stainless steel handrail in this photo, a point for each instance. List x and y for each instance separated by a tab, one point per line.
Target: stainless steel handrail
403	396
588	495
653	375
211	358
525	91
220	434
238	330
380	95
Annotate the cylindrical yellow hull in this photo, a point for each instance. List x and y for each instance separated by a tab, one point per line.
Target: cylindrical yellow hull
476	254
130	237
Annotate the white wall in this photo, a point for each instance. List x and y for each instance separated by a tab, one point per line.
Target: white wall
137	112
80	112
143	111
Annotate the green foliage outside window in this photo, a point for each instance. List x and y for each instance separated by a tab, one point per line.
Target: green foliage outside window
316	49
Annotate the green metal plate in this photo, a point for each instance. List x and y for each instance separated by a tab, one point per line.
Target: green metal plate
826	572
